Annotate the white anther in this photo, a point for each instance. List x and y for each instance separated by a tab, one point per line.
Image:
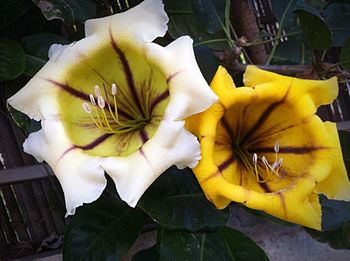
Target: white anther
276	147
86	108
255	158
101	102
92	100
279	163
114	89
264	160
97	91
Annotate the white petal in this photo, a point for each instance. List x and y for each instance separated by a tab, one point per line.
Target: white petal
189	92
80	175
144	22
38	98
170	145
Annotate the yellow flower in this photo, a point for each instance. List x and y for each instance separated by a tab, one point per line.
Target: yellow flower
263	146
115	102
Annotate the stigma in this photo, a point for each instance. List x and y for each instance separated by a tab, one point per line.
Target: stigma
103	112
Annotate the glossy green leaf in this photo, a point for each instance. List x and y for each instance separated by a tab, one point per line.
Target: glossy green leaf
12	59
334	213
345	55
224	244
176	201
103	230
147	255
68	11
315	29
10	11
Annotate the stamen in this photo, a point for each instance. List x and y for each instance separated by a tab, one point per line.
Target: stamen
267	166
97	91
86	108
276	149
255	161
92	99
101	102
114	89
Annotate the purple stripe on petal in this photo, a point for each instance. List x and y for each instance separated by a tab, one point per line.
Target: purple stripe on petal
83	96
159	99
71	90
128	72
144	136
287	150
96	142
226	163
172	76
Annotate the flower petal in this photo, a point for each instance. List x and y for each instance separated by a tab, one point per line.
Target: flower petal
189	92
144	22
170	145
336	185
80	175
250	121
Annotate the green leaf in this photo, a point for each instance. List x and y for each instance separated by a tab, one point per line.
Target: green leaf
10	11
103	230
147	255
12	59
176	201
207	61
345	55
225	244
283	9
292	51
340	27
203	20
338	238
315	29
39	44
334	213
68	11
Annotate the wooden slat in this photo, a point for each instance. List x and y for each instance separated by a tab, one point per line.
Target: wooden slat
23	174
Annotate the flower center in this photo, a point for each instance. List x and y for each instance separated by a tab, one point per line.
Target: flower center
110	122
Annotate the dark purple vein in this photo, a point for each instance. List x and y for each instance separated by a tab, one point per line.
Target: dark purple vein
159	99
127	72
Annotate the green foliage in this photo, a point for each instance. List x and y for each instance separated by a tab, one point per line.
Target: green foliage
203	20
12	59
175	201
223	244
345	55
103	230
68	11
316	31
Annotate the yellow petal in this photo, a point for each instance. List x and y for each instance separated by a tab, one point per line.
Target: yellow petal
250	122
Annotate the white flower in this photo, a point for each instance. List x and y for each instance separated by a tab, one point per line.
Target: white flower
115	102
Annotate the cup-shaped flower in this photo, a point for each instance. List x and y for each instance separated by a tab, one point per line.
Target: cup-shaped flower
263	146
115	102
